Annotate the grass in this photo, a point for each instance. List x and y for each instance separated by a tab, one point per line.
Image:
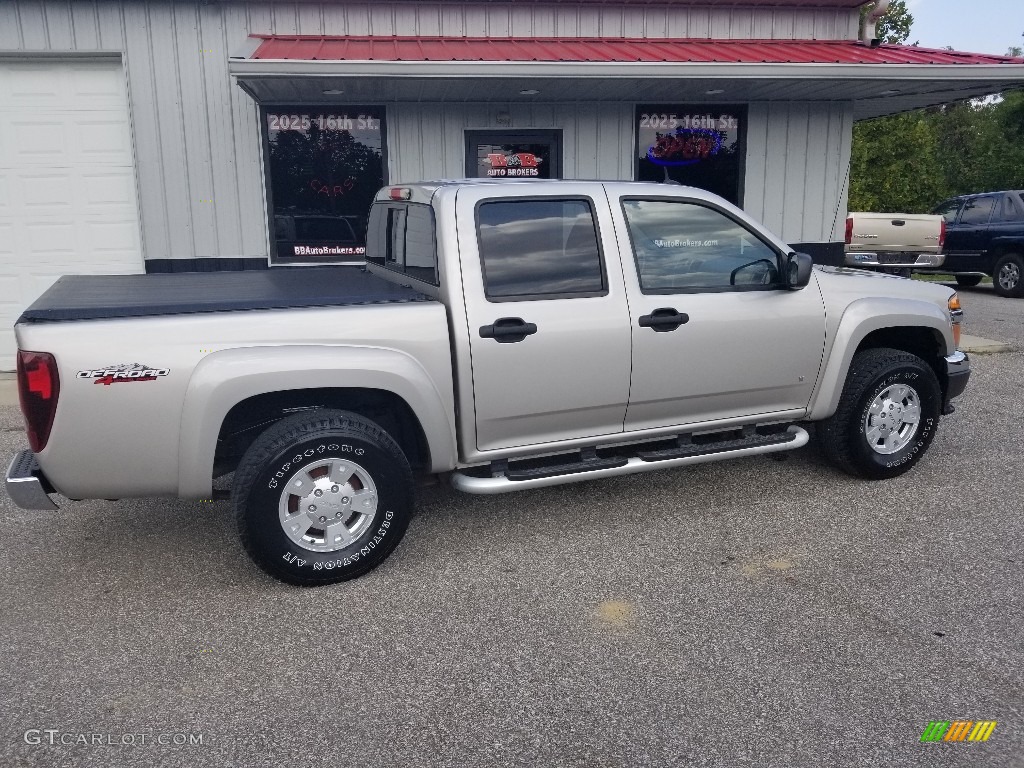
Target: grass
942	278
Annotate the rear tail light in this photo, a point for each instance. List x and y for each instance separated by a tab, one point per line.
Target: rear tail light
942	233
38	389
849	230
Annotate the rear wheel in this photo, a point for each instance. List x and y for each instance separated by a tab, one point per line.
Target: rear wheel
1008	276
887	416
968	281
322	497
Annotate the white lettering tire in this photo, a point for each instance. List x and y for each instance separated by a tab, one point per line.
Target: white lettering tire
322	496
887	415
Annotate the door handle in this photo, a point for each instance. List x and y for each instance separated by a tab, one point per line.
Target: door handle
664	319
508	330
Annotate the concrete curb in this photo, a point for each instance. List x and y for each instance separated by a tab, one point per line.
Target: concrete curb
980	346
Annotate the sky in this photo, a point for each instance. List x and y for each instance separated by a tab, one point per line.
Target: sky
978	26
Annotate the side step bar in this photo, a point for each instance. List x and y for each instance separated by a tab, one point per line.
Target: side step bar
511	480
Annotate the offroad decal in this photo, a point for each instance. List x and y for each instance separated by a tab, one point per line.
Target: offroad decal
122	372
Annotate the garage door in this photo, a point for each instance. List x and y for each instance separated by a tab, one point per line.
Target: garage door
67	183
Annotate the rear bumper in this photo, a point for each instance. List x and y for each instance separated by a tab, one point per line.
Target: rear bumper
895	260
26	485
958	371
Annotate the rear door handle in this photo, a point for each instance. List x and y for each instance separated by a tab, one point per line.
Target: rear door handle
664	319
508	330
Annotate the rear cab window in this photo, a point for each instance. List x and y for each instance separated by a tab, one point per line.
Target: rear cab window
401	238
948	210
539	248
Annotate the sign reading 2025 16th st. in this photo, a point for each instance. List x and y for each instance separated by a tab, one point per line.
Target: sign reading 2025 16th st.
699	146
325	166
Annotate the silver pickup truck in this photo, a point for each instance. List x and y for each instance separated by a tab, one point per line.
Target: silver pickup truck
505	334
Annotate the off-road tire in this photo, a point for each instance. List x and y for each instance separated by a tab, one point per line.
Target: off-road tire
873	372
1008	276
274	464
968	281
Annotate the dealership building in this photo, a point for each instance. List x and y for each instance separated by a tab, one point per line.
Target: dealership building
169	135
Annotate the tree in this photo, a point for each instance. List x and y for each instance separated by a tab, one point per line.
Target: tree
894	26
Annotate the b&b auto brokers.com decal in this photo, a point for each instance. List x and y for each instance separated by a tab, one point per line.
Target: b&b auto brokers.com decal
117	374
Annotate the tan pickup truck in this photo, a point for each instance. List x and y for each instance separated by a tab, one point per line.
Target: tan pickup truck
897	243
505	335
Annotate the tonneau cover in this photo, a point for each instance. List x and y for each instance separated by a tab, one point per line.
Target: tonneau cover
91	297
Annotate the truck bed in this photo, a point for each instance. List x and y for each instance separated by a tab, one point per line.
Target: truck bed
92	297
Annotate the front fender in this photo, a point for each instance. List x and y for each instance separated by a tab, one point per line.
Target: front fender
862	317
224	379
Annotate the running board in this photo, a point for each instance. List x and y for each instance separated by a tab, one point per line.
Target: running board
504	480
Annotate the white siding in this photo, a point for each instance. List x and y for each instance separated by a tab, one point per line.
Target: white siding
199	173
796	173
427	141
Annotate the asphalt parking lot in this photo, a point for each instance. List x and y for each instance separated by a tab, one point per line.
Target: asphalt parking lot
754	612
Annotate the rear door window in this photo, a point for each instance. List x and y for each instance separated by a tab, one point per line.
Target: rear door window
539	248
977	210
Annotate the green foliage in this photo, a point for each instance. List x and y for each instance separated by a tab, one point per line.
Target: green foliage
908	163
894	27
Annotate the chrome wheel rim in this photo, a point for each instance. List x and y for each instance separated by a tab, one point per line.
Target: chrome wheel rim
892	419
327	505
1009	276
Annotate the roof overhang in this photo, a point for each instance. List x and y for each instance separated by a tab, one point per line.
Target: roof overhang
874	88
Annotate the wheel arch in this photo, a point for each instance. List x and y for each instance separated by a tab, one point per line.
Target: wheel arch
230	389
877	323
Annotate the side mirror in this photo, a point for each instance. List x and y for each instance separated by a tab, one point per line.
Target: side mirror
798	270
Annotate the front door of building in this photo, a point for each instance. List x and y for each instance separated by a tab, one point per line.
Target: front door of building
514	154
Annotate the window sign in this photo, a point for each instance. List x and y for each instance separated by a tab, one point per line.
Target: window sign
513	154
700	146
324	167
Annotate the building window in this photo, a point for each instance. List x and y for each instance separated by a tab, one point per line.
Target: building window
700	146
324	166
514	154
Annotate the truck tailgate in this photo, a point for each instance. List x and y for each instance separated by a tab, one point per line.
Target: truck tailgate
895	232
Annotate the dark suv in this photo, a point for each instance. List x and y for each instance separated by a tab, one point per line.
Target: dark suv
985	236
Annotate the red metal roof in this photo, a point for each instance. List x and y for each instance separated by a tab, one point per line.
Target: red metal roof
617	49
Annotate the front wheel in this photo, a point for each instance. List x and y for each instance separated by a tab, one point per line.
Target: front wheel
887	416
1008	276
322	497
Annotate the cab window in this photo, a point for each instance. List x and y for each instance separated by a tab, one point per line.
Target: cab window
977	210
683	246
948	210
534	248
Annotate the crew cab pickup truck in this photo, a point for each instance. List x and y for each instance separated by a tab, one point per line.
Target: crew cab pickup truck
985	236
505	334
897	243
